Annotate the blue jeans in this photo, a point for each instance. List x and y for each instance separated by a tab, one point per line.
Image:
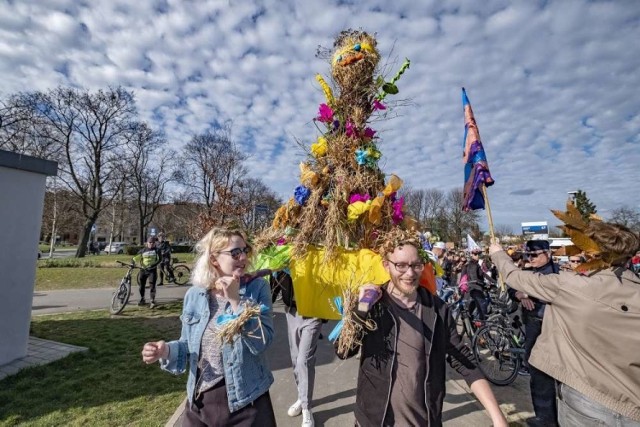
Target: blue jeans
577	410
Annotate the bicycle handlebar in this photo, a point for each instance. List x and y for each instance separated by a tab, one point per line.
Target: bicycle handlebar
124	264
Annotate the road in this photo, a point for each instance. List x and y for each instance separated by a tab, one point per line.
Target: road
335	379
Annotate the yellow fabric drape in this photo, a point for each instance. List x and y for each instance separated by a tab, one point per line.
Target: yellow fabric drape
316	282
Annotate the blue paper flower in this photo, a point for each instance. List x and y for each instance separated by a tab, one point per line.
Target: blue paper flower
361	156
301	194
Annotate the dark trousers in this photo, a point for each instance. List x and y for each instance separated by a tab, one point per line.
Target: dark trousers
479	302
211	408
165	265
142	282
543	387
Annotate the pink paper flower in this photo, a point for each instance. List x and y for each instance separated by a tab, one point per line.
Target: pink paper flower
351	129
369	133
359	198
325	114
397	215
281	241
377	105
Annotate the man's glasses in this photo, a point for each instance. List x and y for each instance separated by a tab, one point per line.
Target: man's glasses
403	267
236	252
535	254
574	261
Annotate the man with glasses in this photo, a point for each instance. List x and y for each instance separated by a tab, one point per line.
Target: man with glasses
401	380
543	389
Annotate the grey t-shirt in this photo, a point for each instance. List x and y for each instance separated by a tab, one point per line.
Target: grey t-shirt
407	401
211	370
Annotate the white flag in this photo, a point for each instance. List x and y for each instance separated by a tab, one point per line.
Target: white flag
471	244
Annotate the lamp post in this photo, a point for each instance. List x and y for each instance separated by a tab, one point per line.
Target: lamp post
572	197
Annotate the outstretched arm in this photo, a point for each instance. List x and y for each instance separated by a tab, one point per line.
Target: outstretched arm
483	392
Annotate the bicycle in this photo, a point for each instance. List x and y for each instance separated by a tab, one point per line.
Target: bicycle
121	296
499	350
179	272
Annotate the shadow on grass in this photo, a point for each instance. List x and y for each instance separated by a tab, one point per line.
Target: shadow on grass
109	384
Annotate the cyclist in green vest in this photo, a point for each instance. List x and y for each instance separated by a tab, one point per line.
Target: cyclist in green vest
148	258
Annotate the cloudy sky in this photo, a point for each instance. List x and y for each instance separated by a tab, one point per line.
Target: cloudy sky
553	84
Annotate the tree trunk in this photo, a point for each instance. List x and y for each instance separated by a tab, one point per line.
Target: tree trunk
84	240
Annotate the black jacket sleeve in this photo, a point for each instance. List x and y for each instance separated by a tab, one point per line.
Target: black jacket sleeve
459	355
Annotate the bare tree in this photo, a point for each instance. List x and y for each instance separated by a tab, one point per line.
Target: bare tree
147	170
89	129
626	216
212	169
503	230
259	203
459	223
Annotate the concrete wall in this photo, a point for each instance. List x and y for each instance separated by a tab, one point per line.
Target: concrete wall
22	188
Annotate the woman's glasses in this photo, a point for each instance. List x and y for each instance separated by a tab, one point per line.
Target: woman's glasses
237	252
574	261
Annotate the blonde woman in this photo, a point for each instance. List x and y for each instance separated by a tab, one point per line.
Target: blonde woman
228	384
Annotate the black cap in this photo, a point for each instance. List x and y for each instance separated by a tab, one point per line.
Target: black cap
537	245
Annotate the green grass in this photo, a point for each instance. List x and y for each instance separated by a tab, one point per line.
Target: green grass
106	386
85	273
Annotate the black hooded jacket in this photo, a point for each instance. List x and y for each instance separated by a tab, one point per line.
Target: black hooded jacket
442	343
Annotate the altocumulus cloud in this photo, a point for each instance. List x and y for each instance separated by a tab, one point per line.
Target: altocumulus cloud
549	81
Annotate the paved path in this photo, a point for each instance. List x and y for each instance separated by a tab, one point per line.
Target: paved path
335	379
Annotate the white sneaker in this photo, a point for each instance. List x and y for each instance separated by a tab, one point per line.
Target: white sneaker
295	409
307	418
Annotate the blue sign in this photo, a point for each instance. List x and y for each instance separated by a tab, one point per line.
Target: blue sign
153	231
94	227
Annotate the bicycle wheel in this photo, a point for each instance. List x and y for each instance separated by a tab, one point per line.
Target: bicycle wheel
498	360
120	297
181	273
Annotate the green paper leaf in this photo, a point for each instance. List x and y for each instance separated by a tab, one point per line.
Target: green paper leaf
390	88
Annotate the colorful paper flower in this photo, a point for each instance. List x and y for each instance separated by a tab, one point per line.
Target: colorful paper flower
301	194
350	129
377	105
368	156
369	133
319	148
281	241
356	197
397	215
354	210
325	114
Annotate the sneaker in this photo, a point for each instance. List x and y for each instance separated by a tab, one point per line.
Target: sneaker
142	302
153	304
307	418
160	284
524	371
172	280
295	409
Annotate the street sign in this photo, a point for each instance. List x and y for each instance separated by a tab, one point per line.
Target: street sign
94	227
153	231
261	209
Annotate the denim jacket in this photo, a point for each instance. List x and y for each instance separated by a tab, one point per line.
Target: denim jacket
246	373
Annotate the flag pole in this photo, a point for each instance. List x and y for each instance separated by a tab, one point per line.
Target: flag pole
492	233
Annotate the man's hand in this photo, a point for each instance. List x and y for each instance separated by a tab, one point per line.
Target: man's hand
369	287
495	247
152	351
524	299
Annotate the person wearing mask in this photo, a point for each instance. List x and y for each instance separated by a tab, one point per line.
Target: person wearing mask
228	383
587	342
148	258
401	379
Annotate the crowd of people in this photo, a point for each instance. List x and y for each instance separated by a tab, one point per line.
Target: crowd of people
581	352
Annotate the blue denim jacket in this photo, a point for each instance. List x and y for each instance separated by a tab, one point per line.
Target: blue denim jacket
246	373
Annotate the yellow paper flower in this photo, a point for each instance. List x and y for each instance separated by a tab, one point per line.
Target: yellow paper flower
354	210
307	176
319	148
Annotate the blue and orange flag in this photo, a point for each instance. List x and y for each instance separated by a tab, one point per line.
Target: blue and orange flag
476	168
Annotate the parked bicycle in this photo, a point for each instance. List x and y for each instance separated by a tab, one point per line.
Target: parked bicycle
499	349
121	296
179	272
